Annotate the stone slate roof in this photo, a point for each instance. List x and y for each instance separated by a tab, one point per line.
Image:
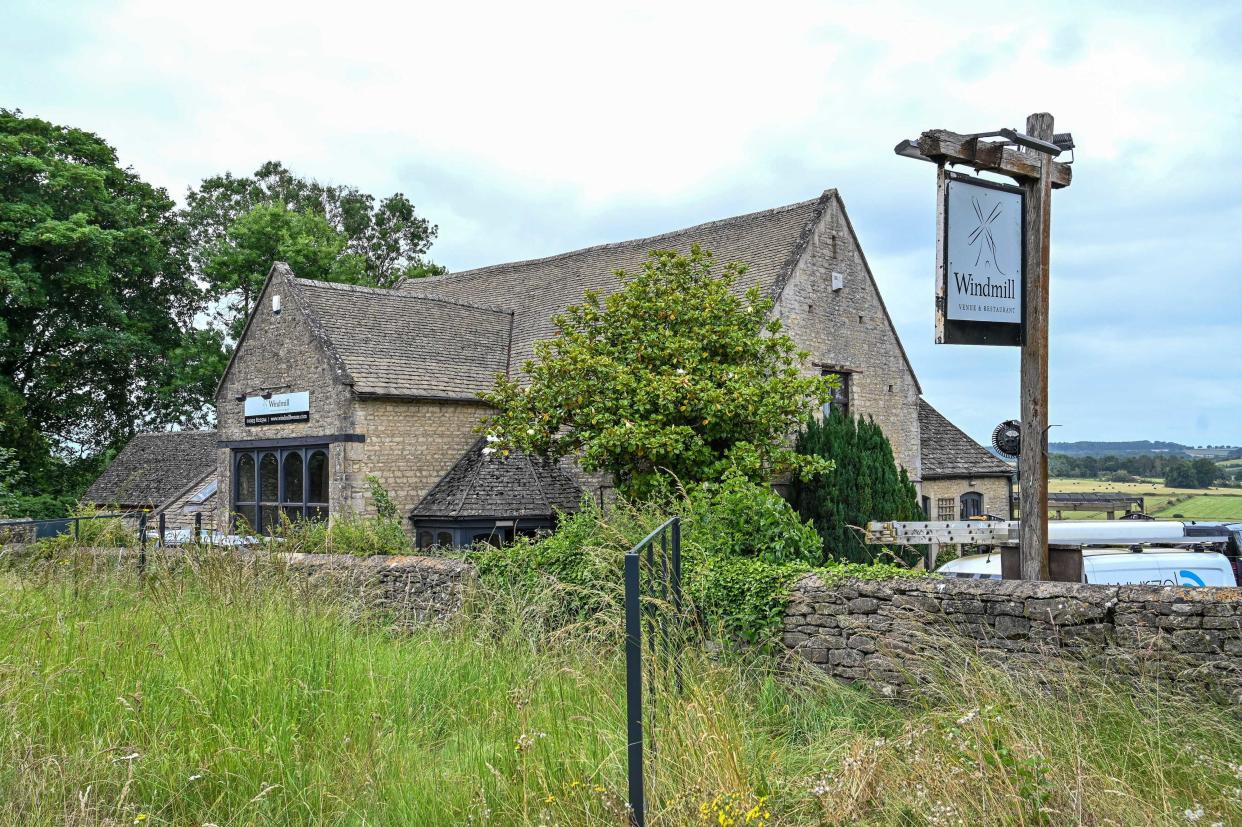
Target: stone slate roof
515	487
153	468
768	242
949	452
392	343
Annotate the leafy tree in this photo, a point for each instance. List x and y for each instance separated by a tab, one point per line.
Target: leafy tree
1205	471
865	483
10	476
1180	474
237	226
674	374
92	303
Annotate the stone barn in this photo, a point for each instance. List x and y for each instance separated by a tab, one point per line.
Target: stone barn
331	385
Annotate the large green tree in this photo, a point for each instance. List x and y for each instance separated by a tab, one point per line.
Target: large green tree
235	227
865	484
94	309
675	374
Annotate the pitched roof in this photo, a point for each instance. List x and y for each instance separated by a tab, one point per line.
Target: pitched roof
513	487
949	452
155	467
393	343
770	243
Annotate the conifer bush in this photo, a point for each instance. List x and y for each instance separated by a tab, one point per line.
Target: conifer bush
864	485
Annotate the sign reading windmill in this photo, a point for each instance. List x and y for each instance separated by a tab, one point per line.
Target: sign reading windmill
992	276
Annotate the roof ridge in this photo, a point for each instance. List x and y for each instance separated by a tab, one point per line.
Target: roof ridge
397	293
719	222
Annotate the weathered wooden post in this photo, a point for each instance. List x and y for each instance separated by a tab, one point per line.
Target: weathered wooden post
992	278
1033	475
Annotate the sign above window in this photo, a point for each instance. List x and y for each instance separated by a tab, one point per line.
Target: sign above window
979	296
278	408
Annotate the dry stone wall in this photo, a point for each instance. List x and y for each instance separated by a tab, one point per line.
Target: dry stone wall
412	588
887	634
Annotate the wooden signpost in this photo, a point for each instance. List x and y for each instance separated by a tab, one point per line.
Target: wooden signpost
989	293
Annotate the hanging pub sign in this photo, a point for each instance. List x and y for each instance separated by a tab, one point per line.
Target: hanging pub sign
979	289
278	408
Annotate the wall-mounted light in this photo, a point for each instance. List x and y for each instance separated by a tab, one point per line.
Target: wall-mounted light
267	394
275	305
241	397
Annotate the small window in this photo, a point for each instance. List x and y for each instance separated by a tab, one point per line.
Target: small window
445	539
946	508
425	540
972	505
840	399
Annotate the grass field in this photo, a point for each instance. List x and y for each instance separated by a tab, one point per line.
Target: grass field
1205	508
1159	500
212	699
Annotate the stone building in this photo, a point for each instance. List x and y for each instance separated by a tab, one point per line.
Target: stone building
331	385
961	478
171	473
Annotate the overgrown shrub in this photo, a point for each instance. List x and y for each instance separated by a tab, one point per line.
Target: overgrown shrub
739	518
743	549
93	532
355	534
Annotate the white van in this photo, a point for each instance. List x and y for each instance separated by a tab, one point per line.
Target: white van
1120	566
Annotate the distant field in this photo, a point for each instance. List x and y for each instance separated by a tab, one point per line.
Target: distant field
1222	503
1230	463
1206	508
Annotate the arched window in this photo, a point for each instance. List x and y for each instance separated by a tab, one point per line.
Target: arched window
269	482
972	505
245	503
445	539
425	540
292	496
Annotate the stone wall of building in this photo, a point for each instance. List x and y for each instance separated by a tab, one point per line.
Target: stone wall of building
281	354
887	633
995	491
847	330
409	447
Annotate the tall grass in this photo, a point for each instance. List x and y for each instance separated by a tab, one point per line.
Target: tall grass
212	696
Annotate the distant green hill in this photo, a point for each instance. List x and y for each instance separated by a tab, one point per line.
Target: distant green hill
1141	447
1117	449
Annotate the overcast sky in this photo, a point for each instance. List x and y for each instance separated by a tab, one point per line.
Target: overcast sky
527	129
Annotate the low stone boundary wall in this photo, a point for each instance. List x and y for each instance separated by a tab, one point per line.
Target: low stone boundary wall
884	633
412	588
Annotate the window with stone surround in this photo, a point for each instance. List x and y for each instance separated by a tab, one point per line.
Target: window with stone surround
946	509
268	482
841	396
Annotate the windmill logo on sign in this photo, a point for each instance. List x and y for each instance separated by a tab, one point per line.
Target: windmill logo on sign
981	237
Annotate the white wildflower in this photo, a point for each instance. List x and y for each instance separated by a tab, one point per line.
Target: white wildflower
681	371
488	451
1195	814
133	756
530	431
493	438
968	717
195	776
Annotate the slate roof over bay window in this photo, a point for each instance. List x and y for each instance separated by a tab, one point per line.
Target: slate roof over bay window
518	486
769	243
949	452
154	468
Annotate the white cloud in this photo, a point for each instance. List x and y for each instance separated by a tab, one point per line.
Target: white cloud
525	129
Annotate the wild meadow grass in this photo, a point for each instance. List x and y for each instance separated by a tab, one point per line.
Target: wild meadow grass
210	696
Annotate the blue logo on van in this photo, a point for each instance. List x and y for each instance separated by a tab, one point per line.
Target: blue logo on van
1191	577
